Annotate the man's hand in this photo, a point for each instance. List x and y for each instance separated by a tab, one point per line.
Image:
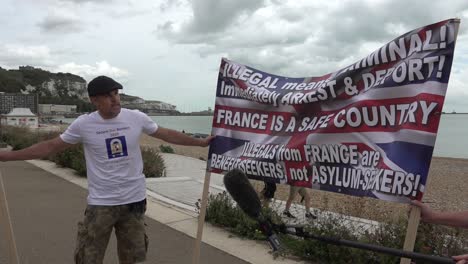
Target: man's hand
36	151
206	141
176	137
461	259
427	214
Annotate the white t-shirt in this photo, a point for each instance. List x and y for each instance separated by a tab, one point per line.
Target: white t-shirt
113	156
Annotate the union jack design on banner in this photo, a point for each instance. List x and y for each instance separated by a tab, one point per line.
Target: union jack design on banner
368	129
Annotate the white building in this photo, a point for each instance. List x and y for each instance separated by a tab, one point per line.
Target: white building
54	109
20	117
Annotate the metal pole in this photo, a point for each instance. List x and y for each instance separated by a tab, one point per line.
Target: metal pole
201	217
2	144
377	248
8	228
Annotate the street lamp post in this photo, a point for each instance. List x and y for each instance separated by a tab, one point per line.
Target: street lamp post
2	144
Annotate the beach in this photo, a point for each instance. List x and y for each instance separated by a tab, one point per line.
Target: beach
445	189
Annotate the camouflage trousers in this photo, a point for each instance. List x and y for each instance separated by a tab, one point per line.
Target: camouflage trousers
95	230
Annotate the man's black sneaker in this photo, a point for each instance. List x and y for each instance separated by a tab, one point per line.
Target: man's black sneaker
288	214
310	215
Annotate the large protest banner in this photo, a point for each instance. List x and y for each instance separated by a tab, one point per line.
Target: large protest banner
368	129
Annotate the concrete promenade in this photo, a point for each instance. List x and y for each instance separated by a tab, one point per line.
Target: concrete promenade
46	202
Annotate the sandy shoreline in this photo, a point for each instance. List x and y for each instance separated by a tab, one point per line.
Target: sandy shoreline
446	188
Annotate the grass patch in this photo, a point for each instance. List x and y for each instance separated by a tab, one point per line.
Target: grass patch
166	149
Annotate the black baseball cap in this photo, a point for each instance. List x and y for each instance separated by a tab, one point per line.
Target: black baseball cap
102	85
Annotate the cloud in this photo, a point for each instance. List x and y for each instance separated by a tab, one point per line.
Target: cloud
12	55
227	11
62	18
128	13
306	38
88	1
61	23
129	9
299	38
457	94
283	37
90	71
204	20
169	4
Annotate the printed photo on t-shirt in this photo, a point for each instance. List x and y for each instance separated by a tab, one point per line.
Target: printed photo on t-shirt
116	147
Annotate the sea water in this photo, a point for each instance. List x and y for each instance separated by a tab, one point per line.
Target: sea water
451	138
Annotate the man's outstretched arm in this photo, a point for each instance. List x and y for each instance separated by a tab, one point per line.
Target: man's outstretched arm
456	219
176	137
36	151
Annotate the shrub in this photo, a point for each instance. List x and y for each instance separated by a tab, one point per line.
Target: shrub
431	239
153	163
166	149
72	158
221	212
441	240
19	137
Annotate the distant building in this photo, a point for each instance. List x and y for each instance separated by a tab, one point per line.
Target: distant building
54	109
158	105
8	101
132	101
20	117
147	106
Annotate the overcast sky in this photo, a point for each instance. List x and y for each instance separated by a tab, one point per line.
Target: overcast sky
171	50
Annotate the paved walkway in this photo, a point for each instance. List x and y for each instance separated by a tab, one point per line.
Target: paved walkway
45	209
183	186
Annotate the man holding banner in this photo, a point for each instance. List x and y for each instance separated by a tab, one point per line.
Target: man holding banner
455	219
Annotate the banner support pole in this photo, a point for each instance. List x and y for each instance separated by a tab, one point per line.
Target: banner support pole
201	217
415	212
411	231
4	214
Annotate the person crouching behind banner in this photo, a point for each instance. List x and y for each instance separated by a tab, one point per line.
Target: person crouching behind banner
116	183
293	190
455	219
268	193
